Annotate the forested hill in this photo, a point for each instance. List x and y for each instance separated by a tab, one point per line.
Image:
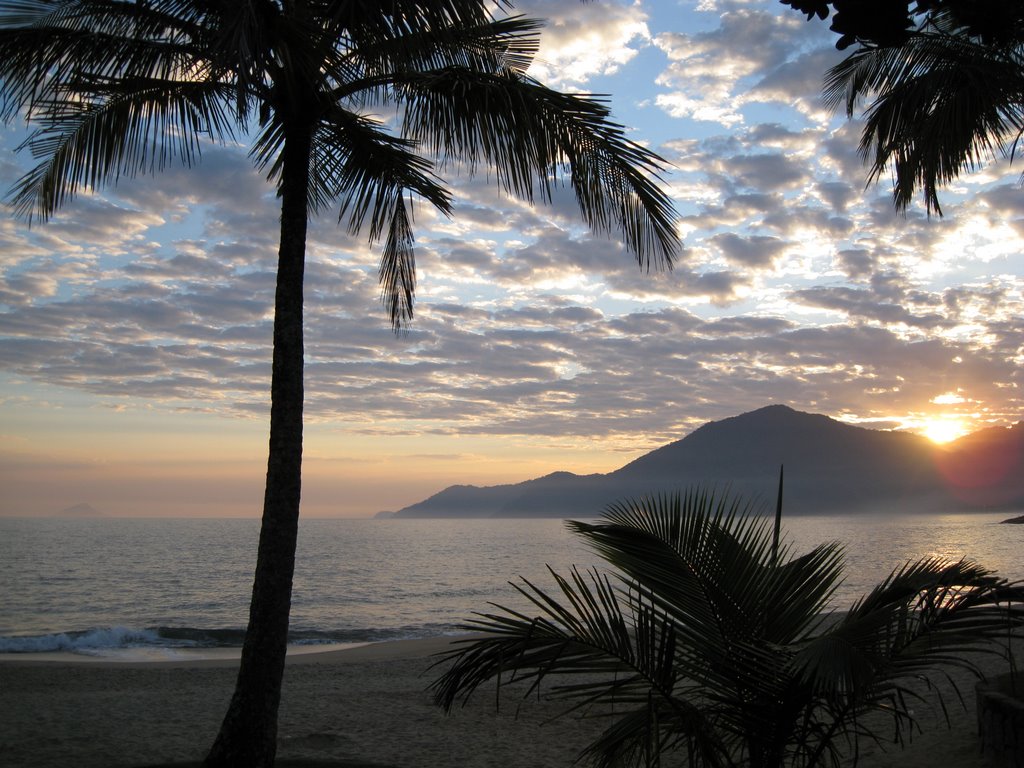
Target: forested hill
830	467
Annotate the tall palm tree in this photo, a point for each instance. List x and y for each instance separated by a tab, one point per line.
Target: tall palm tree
702	643
942	101
119	88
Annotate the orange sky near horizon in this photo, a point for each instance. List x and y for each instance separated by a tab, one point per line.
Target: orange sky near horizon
129	464
138	464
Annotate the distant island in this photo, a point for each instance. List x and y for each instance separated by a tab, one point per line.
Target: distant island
830	468
80	510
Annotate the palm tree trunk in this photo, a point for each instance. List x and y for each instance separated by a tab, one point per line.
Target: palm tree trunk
248	734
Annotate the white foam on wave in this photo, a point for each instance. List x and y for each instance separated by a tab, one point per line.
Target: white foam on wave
150	654
88	642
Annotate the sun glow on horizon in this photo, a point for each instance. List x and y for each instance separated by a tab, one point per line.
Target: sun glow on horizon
943	429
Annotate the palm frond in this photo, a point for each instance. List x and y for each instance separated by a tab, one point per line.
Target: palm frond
943	103
532	137
737	589
116	89
132	128
641	736
798	592
369	170
372	172
584	633
671	548
354	158
397	274
401	17
926	615
507	44
46	46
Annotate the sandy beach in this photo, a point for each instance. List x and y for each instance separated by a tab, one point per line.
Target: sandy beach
360	706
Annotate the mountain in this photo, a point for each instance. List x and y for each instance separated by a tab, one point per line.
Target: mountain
80	510
986	468
547	496
830	467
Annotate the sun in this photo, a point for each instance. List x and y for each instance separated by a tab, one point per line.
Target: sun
942	429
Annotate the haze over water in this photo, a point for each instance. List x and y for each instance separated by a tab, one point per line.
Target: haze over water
114	586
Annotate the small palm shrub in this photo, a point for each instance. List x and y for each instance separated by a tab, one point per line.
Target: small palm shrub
703	646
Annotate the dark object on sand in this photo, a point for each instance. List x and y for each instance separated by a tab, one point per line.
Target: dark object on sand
1015	520
1001	718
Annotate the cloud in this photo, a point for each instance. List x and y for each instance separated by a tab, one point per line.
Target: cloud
752	56
857	263
583	40
798	284
755	252
796	81
860	304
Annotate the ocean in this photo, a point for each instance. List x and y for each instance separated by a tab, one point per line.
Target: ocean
161	588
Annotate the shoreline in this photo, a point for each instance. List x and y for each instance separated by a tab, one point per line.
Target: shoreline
366	706
335	653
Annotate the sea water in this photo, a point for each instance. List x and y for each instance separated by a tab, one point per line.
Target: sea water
114	587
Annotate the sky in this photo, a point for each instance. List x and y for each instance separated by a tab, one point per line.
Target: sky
135	325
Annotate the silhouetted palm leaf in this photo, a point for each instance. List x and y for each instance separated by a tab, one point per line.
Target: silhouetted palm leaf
940	104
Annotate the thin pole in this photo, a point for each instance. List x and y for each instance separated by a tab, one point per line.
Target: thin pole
778	520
